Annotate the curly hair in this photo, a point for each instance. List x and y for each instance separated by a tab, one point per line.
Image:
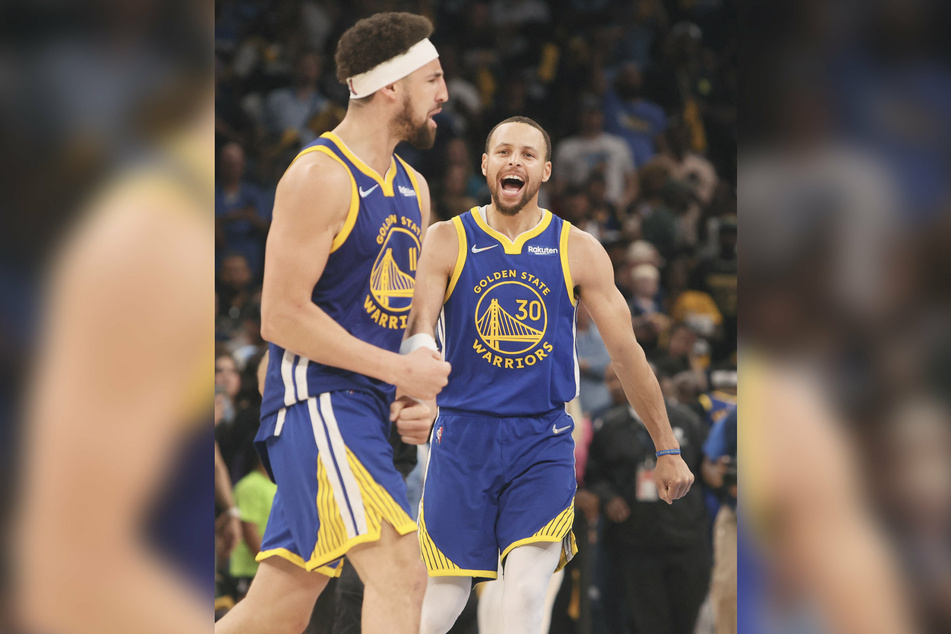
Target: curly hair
373	40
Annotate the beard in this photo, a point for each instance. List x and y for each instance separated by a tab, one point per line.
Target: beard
420	136
527	195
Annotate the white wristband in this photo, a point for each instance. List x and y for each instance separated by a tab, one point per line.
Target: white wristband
420	340
235	512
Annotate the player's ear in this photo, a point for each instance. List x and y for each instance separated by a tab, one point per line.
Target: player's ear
485	164
546	174
390	92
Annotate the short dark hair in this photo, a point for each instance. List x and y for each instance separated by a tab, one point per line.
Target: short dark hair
375	39
527	121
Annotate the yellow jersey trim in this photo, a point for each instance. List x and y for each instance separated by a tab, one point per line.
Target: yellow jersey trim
563	252
332	539
298	561
534	539
386	182
412	177
512	248
351	220
557	530
437	564
462	572
460	257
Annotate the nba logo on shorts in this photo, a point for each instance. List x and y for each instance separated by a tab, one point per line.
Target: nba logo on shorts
438	434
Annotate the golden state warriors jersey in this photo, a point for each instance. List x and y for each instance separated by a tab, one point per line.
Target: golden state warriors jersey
367	284
508	321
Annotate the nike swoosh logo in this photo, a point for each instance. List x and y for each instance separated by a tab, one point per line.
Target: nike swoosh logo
558	430
476	249
364	194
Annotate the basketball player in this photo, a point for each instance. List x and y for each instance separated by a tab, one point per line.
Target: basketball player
349	218
504	281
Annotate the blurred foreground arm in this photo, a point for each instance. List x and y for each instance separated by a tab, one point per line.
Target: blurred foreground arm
828	540
108	399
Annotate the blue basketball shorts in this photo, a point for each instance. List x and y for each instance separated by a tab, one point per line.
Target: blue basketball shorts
494	484
336	482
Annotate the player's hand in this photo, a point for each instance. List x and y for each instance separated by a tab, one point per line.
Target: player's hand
672	477
228	534
617	510
423	374
414	419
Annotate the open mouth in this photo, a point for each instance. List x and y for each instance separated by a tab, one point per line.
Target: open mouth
512	184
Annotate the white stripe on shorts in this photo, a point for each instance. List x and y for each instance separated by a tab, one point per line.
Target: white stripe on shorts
300	374
326	458
287	370
340	453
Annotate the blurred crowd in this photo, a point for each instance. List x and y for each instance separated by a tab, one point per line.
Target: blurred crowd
639	99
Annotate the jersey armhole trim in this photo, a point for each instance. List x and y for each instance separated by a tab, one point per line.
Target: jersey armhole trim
460	257
565	268
412	177
351	220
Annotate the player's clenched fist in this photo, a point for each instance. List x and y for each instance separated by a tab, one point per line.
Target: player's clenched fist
672	477
414	419
424	374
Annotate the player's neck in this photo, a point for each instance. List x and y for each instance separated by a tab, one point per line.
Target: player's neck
513	226
367	134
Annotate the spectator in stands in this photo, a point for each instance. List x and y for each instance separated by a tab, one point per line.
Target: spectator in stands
659	554
650	322
658	222
719	473
519	12
593	360
235	288
721	400
289	110
253	495
592	151
682	353
453	199
693	169
458	152
228	378
716	276
629	115
692	306
242	210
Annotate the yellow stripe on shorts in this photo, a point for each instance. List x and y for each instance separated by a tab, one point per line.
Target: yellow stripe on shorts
557	530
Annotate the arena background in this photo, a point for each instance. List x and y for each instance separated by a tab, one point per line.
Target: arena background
640	101
83	85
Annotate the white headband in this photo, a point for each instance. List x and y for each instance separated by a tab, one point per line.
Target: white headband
393	69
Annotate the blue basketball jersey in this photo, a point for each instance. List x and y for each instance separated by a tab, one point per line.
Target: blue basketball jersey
367	284
508	321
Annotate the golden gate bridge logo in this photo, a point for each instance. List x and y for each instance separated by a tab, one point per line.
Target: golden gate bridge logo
500	329
391	286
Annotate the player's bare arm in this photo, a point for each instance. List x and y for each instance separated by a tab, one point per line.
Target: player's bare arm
310	207
436	264
127	425
593	277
